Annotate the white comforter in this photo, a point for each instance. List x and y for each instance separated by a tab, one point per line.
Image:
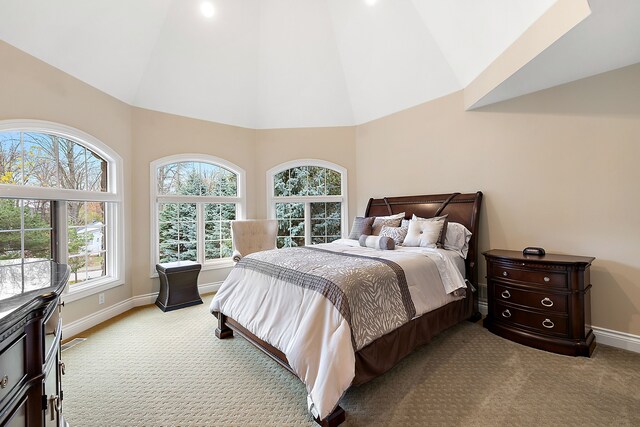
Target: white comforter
310	331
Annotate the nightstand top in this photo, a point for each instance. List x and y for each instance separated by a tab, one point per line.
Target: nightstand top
548	258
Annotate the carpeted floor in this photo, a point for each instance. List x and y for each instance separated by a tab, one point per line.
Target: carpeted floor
148	368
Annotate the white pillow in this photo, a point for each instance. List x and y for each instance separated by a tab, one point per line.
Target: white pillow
423	233
390	221
440	242
457	239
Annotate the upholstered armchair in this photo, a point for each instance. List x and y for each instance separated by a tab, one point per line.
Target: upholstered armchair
253	235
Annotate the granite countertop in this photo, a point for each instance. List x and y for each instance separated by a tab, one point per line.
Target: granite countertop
41	280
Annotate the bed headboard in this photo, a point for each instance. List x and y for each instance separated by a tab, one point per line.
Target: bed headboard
462	208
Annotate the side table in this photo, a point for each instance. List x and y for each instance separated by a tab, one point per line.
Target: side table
178	285
541	301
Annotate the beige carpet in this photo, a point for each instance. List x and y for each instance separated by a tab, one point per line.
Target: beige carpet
148	368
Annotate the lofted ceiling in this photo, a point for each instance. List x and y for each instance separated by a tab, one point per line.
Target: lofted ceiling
271	63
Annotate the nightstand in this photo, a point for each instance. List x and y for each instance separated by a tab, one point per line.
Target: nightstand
541	301
178	285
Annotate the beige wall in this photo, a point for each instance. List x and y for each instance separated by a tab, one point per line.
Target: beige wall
559	169
157	135
31	89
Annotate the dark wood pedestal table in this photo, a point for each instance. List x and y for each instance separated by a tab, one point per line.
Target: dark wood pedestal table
178	285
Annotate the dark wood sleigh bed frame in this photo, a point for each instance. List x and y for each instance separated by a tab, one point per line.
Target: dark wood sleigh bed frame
385	352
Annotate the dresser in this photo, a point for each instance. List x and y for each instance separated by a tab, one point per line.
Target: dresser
30	334
541	301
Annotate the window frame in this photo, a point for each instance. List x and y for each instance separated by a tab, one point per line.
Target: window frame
114	196
272	199
240	200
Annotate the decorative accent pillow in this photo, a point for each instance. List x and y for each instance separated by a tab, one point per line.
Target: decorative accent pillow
361	225
457	239
390	221
443	233
405	223
377	242
423	233
396	233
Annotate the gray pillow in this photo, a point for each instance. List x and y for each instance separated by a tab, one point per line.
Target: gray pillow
361	225
396	233
390	221
377	242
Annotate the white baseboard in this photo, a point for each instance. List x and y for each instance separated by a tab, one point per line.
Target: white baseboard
78	326
483	308
74	328
617	339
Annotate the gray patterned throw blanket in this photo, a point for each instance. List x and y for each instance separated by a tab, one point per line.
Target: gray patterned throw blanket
371	293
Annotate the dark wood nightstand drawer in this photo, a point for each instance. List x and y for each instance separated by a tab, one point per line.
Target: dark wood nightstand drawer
519	273
12	369
547	323
539	300
542	301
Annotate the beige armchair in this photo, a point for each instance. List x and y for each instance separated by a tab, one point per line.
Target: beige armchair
253	235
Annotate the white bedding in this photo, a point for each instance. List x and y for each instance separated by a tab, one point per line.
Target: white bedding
311	332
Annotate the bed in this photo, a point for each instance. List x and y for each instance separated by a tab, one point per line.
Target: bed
296	315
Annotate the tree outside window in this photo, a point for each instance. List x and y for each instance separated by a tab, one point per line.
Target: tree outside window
49	164
309	204
196	202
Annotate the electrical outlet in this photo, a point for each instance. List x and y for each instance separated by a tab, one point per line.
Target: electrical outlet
101	298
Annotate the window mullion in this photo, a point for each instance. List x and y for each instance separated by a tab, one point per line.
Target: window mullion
179	226
307	223
23	157
200	233
56	152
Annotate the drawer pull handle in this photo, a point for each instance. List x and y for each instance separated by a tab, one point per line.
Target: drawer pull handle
506	314
548	323
505	274
505	294
547	302
56	406
4	381
546	279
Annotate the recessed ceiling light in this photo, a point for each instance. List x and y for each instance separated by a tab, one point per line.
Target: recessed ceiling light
370	2
206	7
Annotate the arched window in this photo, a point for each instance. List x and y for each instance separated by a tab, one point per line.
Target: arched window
59	201
309	200
195	199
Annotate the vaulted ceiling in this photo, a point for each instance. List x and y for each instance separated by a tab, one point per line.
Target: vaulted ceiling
271	63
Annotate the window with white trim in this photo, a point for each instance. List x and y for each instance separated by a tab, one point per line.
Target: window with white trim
309	200
195	199
60	202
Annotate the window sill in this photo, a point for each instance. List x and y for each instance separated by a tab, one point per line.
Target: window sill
87	289
215	265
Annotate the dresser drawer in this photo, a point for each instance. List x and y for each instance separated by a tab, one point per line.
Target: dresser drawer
12	369
520	273
540	300
18	417
547	323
